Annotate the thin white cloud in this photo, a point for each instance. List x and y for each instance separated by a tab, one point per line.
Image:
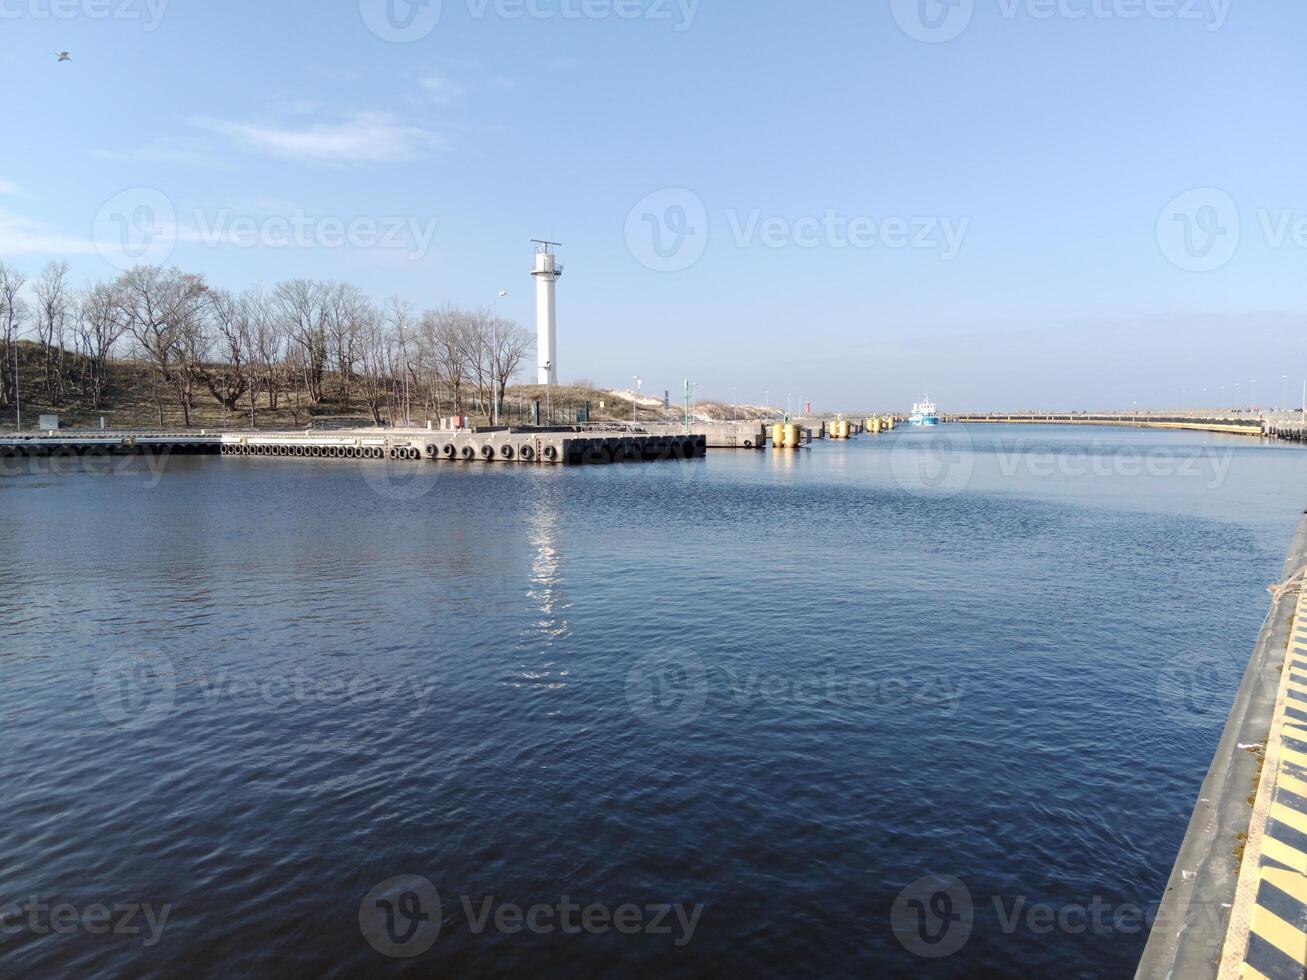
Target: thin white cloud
22	236
9	189
167	150
441	90
370	137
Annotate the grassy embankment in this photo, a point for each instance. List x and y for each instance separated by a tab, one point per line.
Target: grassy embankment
129	403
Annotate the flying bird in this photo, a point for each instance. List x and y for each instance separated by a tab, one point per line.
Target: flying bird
63	56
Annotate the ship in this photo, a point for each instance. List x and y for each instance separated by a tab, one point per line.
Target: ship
924	413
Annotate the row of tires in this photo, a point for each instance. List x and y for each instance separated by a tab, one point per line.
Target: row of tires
321	452
579	452
506	452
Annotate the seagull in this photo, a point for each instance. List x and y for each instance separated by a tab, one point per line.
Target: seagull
63	56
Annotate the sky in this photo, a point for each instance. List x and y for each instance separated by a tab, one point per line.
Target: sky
1070	204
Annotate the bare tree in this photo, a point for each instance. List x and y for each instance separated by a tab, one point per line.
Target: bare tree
509	345
100	325
13	314
345	307
399	324
375	363
53	304
267	346
161	309
301	305
229	376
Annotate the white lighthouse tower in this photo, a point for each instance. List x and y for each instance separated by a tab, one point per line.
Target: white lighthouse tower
547	271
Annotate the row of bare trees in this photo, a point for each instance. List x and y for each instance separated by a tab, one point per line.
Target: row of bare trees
301	345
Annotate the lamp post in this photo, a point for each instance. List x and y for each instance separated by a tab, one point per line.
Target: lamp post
18	398
635	402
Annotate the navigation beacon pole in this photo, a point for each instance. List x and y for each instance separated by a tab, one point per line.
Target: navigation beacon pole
547	270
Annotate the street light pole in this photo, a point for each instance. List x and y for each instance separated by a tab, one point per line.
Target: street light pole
18	398
635	402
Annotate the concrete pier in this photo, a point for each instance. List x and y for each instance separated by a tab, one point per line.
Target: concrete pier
546	448
717	435
1209	907
1249	425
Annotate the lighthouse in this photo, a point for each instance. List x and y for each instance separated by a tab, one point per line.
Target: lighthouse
547	270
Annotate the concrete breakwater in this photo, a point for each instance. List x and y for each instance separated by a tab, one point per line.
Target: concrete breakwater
537	447
1236	901
1247	425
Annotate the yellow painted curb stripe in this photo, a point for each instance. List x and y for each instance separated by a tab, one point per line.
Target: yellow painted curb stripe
1289	882
1280	817
1288	939
1289	816
1285	854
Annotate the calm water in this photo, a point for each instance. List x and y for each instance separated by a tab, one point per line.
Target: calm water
769	692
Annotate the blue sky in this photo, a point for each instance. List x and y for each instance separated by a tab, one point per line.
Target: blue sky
806	199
